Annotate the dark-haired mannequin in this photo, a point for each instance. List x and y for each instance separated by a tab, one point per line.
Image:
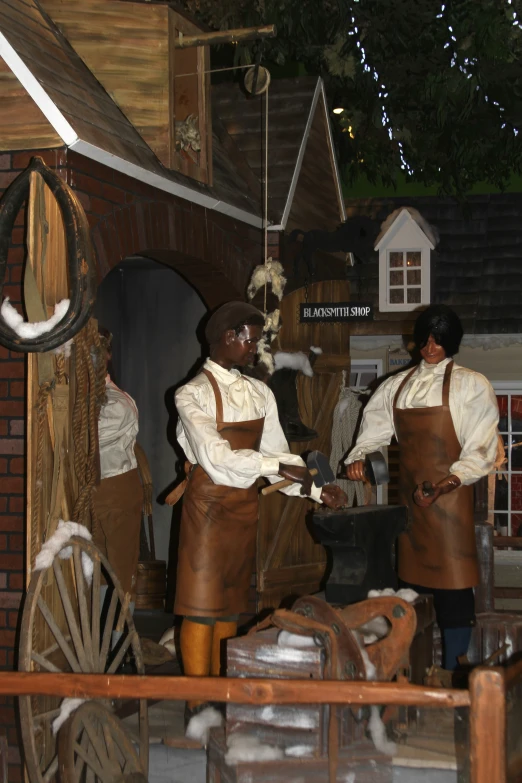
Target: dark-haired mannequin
445	419
230	432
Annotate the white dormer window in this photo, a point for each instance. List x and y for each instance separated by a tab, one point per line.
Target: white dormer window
404	261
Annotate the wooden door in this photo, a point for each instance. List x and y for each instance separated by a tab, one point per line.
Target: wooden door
288	561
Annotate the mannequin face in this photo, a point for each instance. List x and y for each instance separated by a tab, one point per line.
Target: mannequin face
237	350
432	353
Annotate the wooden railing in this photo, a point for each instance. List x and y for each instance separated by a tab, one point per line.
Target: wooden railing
491	691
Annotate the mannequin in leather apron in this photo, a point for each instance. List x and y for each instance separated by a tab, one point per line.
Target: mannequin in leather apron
220	505
437	553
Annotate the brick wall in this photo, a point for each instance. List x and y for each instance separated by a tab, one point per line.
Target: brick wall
126	217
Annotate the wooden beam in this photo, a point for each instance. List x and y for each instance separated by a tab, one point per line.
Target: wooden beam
230	689
226	36
487	722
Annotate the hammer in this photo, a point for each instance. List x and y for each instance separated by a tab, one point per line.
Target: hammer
318	466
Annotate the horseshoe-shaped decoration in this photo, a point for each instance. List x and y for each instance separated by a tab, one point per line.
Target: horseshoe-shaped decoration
80	260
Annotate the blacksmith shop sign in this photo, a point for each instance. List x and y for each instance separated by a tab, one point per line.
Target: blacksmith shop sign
334	312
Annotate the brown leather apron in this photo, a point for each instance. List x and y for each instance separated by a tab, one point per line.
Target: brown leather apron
218	532
438	549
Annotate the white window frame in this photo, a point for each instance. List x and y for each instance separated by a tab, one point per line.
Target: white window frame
403	236
508	389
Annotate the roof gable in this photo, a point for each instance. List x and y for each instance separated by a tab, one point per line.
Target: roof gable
403	227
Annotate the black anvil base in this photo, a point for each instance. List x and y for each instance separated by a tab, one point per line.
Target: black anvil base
360	541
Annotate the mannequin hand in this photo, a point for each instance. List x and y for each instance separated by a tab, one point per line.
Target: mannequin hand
355	470
298	474
445	486
333	496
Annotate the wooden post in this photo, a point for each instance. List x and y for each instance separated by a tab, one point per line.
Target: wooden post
487	720
226	36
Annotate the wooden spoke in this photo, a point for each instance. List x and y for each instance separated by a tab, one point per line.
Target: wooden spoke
96	613
45	716
97	744
44	663
51	770
85	620
54	647
107	631
92	763
71	619
80	763
121	653
60	638
109	744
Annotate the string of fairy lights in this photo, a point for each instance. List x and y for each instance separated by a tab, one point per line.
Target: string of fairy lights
464	63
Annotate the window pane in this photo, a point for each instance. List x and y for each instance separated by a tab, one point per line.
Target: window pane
414	295
367	377
413	258
396	296
414	277
502	409
516	413
396	258
397	278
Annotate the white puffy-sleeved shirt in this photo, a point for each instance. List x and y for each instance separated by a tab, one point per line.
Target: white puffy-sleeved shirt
473	408
243	399
117	431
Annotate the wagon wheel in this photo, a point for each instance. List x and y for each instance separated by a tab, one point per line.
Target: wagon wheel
76	638
94	747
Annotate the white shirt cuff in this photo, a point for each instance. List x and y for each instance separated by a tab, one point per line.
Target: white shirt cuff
269	466
315	493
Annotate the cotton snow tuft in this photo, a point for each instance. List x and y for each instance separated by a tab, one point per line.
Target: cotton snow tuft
300	751
168	641
26	329
293	361
199	725
245	748
287	639
67	707
56	544
378	733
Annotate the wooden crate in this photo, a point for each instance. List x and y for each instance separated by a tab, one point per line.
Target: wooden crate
363	762
493	629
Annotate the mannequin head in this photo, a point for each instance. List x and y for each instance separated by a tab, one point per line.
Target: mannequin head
233	333
437	333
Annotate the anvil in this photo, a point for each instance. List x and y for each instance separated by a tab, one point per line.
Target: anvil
361	544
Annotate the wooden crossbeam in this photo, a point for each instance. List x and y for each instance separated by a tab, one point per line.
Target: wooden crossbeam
226	36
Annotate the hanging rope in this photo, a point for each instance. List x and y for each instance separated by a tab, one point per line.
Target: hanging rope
41	416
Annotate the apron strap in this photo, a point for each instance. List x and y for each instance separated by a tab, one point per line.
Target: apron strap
401	387
217	395
446	384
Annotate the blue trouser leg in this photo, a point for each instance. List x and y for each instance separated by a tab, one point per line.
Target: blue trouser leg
456	643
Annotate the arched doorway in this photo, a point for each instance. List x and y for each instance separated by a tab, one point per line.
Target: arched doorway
153	314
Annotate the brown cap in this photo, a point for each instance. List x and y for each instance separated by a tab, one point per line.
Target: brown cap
228	316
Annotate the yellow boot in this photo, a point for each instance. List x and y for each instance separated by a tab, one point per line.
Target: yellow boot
196	648
222	631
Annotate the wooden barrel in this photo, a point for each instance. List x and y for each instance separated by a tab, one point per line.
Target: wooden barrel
151	584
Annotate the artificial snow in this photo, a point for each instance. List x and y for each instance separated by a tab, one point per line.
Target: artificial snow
287	639
300	751
377	731
199	725
293	361
245	748
167	641
56	544
29	330
67	707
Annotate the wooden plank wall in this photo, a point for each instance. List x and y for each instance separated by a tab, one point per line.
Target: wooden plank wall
23	125
126	48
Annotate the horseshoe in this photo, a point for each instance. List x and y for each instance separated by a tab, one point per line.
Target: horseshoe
79	258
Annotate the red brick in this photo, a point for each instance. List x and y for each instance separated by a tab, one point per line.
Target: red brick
11	562
16	466
16	255
53	158
84	200
101	207
12	370
12	619
16	389
16	581
7	713
3	465
5	161
4	352
17	427
6	177
16	505
3	581
11	485
16	542
3	505
7	639
17	236
3	658
90	167
11	408
4	389
13	292
20	218
10	600
11	523
15	773
13	755
15	273
3	619
111	193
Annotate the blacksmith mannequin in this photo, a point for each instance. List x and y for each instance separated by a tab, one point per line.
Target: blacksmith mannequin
230	432
445	418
